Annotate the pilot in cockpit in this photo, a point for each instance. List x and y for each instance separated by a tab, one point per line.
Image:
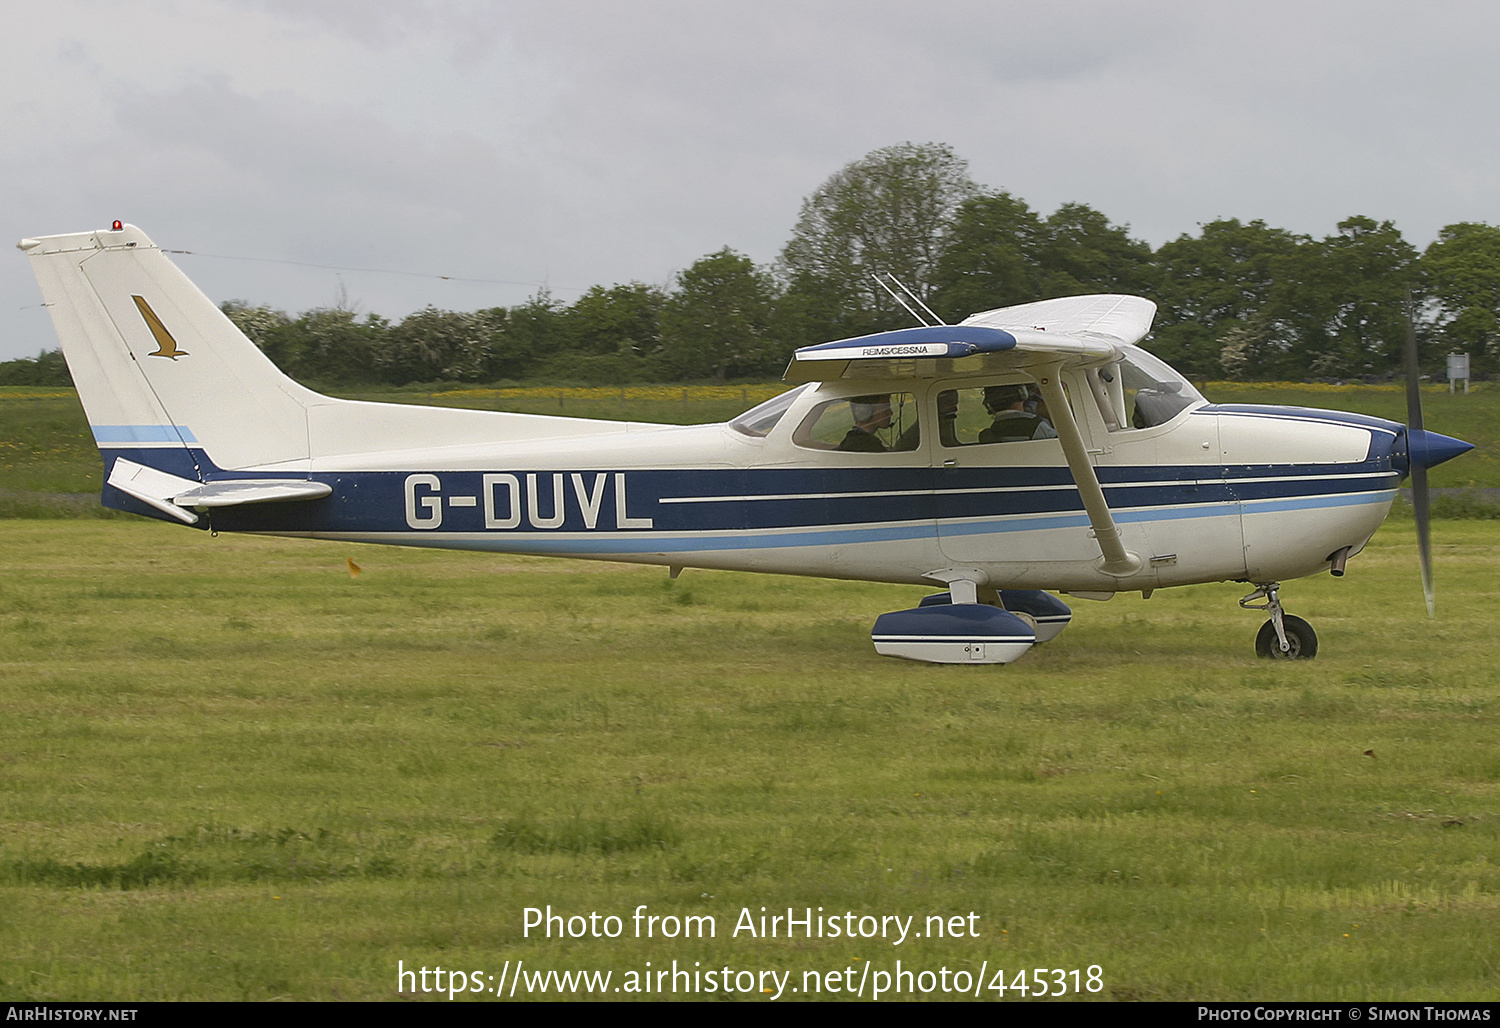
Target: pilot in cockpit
870	414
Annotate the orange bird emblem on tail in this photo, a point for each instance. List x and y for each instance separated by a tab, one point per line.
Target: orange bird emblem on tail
166	346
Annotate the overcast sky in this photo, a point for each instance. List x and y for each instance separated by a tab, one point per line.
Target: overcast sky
567	144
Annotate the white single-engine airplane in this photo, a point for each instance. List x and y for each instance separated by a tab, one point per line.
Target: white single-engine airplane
1029	448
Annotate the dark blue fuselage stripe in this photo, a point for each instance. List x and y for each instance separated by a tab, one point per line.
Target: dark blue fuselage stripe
908	502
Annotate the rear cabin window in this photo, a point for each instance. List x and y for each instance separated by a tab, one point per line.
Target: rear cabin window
998	413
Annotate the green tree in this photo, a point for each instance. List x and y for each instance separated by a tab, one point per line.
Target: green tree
328	345
603	337
45	369
1345	300
1462	272
527	335
1001	253
1247	347
717	322
1082	252
888	212
433	345
623	320
1222	283
993	257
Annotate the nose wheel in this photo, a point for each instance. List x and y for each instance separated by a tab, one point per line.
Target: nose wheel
1284	636
1301	640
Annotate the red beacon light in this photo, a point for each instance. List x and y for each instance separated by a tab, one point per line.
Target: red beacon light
117	227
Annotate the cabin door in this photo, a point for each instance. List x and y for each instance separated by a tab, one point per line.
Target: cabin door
1002	489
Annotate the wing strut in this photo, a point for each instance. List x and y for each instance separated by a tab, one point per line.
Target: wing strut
1117	560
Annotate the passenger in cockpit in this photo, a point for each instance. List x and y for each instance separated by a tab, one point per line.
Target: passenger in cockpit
1012	421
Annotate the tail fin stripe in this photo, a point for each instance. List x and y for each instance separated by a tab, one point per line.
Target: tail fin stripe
177	435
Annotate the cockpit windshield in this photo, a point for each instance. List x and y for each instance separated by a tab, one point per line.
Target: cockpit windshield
1141	391
1160	392
760	419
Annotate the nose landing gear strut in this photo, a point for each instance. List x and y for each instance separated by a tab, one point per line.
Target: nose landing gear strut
1285	636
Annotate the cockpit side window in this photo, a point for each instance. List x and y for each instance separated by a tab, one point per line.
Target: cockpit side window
875	423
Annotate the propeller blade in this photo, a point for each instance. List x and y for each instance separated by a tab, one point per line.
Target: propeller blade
1424	533
1414	430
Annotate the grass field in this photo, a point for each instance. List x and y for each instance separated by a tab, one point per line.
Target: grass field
232	771
228	770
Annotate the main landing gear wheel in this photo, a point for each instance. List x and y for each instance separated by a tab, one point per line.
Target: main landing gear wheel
1301	640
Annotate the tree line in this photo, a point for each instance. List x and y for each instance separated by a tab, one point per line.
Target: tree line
1237	300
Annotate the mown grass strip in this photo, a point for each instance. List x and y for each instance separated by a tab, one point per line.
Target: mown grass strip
233	772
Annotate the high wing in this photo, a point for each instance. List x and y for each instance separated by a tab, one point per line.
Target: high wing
1108	317
1072	331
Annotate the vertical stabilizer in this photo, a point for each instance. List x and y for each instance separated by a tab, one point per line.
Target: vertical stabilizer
156	362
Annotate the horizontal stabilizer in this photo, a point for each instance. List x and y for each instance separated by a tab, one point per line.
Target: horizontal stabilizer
252	490
171	493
